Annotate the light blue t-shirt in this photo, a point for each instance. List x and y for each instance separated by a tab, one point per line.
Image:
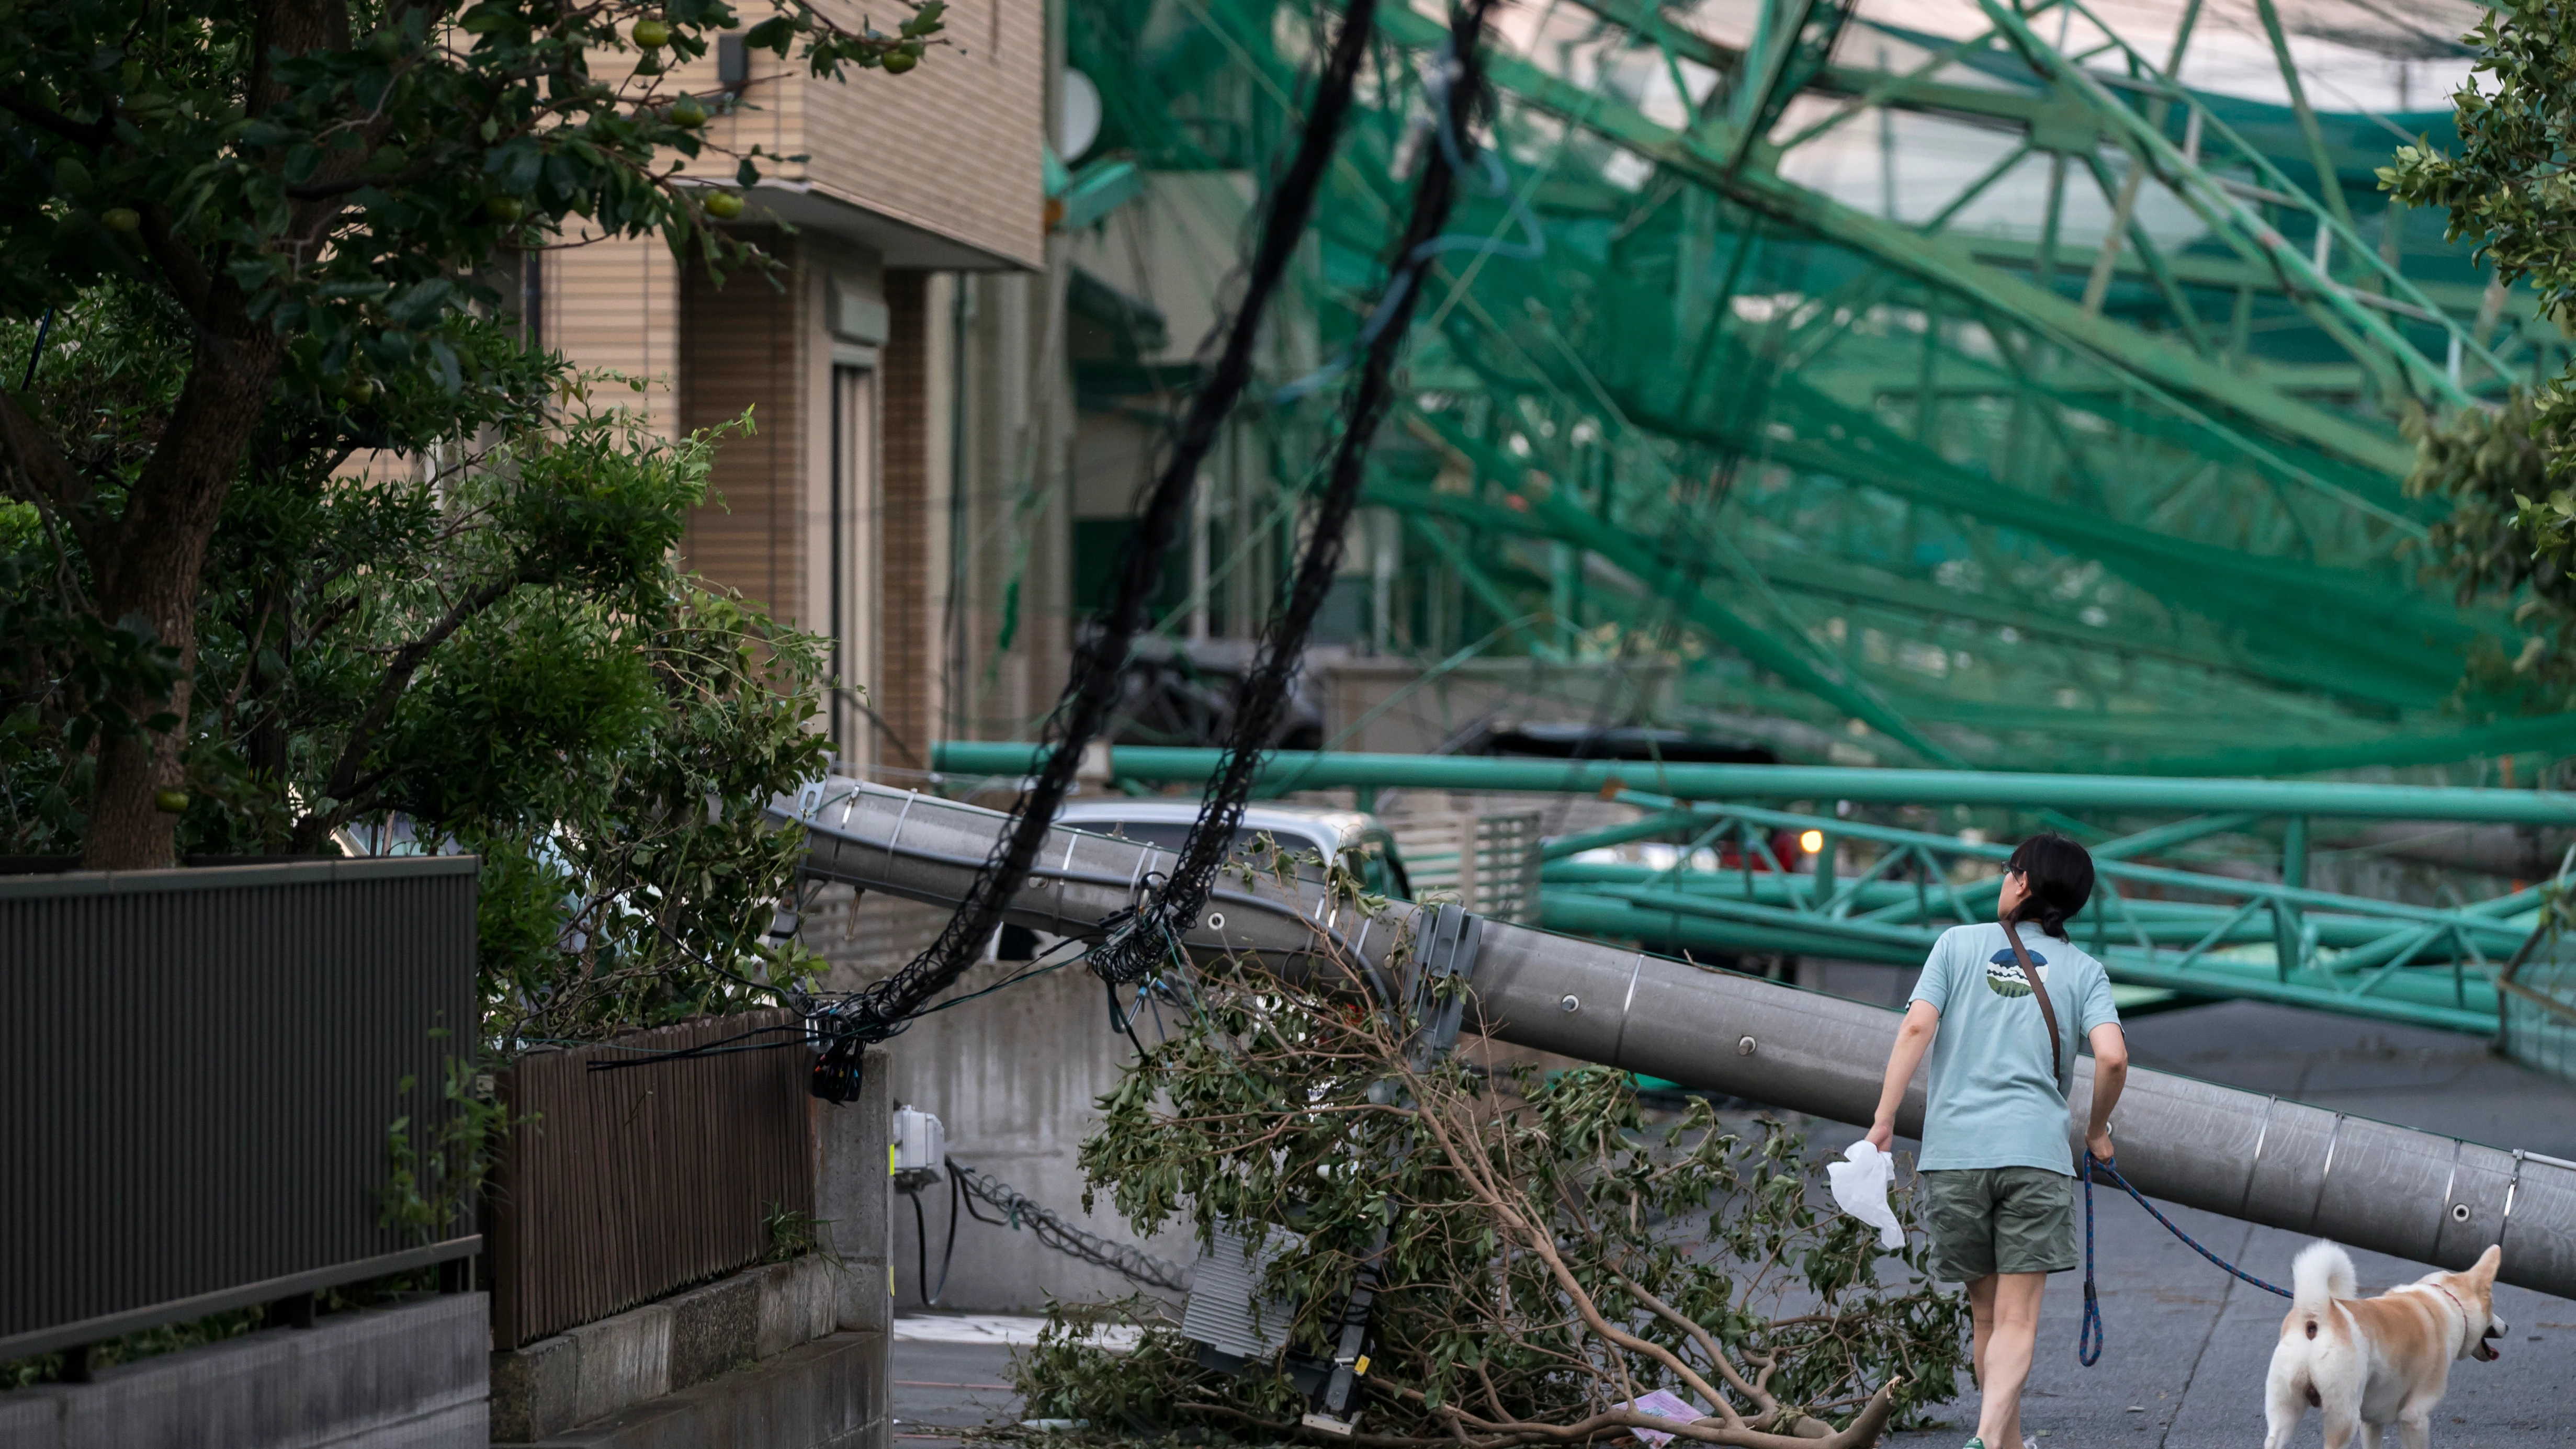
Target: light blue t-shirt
1994	1100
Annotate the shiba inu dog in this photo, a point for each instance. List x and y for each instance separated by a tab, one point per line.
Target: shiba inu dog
2368	1363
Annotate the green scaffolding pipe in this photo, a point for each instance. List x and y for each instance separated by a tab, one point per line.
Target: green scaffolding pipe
2165	922
1842	934
1286	770
2110	866
1599	916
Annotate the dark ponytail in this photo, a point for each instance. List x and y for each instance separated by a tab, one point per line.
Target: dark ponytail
2058	874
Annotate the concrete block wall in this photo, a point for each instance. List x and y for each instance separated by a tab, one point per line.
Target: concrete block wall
412	1376
601	1369
827	1394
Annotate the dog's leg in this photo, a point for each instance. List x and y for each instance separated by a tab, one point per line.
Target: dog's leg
2370	1433
2285	1398
2340	1423
2414	1426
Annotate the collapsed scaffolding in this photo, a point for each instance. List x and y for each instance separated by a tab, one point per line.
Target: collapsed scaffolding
2116	487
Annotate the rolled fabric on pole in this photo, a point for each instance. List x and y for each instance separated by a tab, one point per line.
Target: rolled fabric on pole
2283	1164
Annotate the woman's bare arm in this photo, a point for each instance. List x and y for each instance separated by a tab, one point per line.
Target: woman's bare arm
2110	1075
1913	1039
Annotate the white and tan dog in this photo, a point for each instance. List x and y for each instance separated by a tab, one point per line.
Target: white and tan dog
2368	1363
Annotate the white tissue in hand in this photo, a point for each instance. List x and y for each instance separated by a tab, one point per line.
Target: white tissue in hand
1860	1189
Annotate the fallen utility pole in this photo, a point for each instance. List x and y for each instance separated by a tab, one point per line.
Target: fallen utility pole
2386	1189
2171	913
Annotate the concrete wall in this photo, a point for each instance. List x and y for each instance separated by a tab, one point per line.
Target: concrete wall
603	1368
851	1192
1013	1078
827	1394
406	1377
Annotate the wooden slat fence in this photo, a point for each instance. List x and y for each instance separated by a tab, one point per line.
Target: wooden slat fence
634	1183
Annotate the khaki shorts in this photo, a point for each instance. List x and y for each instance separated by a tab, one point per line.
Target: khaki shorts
1999	1220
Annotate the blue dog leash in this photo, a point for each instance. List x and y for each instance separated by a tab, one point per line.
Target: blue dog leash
2088	1339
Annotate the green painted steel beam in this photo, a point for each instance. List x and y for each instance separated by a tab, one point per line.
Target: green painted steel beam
1599	916
1304	770
2552	734
2481	919
1763	647
2321	605
1823	435
1938	260
1997	109
2410	984
2256	239
1796	663
2223	273
2165	922
2371	674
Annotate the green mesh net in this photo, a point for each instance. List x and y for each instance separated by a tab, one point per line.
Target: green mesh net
1983	397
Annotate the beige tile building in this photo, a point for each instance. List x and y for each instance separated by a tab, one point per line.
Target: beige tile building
902	388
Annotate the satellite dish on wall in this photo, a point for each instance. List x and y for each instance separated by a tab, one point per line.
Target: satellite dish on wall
1078	118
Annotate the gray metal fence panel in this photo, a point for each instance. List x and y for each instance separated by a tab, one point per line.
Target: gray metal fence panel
198	1071
2538	1004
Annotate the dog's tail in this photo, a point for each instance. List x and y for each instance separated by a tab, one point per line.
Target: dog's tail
2322	1272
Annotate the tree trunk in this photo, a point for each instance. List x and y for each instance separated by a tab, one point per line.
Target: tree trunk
149	566
150	570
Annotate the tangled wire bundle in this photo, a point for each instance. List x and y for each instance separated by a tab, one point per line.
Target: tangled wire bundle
886	1006
1457	94
1054	1230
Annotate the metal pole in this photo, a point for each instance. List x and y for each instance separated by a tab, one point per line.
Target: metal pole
2385	1189
1298	770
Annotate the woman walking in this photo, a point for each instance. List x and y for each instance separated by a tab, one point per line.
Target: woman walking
2000	1008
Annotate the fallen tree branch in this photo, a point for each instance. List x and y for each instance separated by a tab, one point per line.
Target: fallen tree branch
1529	1285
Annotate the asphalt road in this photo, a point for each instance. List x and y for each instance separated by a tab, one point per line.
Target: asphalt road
941	1388
2188	1345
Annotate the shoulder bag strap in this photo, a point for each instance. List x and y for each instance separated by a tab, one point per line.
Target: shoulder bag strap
2047	1012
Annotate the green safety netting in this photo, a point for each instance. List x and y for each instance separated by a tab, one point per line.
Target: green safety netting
2064	438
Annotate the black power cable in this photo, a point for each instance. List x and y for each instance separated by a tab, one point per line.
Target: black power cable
1458	93
921	1243
887	1005
1054	1230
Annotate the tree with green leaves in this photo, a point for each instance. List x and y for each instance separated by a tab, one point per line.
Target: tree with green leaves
243	249
2511	532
